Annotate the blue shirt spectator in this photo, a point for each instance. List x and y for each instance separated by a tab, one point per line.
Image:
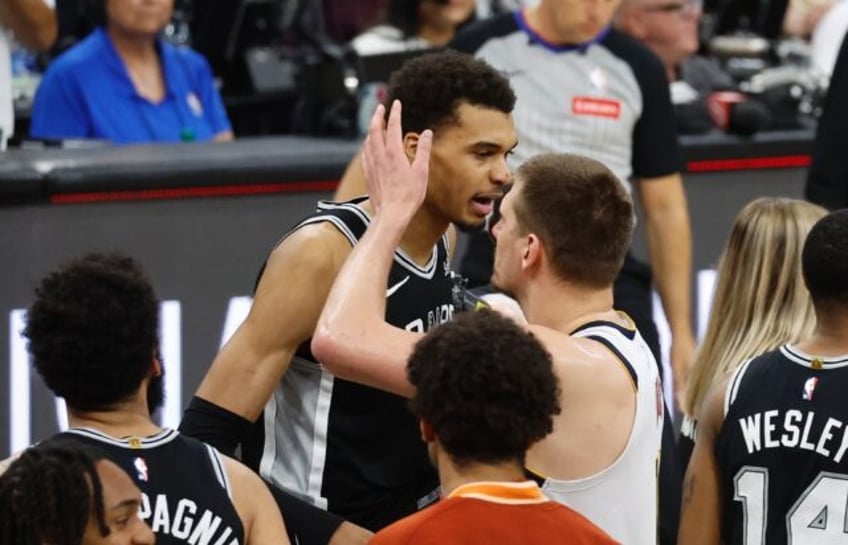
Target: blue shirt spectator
88	92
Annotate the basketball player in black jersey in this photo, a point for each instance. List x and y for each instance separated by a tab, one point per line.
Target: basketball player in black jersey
350	448
564	230
770	463
93	338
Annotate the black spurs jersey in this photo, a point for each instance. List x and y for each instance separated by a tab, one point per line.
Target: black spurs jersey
782	451
351	449
186	496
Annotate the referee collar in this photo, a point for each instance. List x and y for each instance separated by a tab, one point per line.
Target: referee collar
521	21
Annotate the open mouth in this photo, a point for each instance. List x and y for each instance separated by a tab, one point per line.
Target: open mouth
483	204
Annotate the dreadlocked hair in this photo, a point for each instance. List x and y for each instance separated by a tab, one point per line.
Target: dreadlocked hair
46	493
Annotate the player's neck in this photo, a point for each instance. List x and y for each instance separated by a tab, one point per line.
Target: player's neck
423	232
830	337
452	476
565	307
121	420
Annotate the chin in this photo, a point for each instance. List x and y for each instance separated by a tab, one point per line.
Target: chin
470	224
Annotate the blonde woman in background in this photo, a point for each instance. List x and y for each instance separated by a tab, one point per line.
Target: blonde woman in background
760	299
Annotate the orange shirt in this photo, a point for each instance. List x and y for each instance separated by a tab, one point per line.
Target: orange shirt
487	513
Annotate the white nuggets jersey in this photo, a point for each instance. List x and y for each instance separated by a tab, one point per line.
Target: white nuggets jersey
622	499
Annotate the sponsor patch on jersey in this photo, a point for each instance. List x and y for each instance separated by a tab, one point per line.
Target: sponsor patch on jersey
596	107
141	470
659	394
809	388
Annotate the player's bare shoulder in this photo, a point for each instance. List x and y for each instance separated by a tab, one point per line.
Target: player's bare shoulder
317	251
586	364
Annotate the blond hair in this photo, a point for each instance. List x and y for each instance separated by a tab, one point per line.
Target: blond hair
760	299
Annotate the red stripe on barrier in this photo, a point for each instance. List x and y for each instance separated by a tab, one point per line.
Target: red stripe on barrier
749	163
193	192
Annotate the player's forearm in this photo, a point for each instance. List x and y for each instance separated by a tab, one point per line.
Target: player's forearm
238	386
352	338
32	22
699	524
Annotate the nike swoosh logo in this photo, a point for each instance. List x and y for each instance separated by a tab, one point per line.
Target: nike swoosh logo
396	287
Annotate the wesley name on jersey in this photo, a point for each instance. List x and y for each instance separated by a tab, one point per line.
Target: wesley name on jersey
794	429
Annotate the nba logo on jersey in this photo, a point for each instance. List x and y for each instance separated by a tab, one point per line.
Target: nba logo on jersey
809	388
140	468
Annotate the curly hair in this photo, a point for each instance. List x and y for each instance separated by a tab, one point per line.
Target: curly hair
46	494
825	259
92	330
486	386
432	86
580	211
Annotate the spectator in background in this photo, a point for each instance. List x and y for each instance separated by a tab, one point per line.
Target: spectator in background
670	29
760	301
59	492
415	24
146	89
343	20
827	179
33	24
485	392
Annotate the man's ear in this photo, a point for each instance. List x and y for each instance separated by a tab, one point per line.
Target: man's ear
532	254
410	145
427	433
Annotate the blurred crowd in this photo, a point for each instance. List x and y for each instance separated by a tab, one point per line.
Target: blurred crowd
178	70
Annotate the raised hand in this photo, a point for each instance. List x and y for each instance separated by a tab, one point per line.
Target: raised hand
394	185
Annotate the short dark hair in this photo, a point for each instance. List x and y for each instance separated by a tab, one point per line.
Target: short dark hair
46	493
486	386
93	330
432	86
580	211
824	259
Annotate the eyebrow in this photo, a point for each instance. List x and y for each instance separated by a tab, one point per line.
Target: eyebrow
492	145
134	503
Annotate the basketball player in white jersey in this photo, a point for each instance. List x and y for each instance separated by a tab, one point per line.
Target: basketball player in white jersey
565	228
